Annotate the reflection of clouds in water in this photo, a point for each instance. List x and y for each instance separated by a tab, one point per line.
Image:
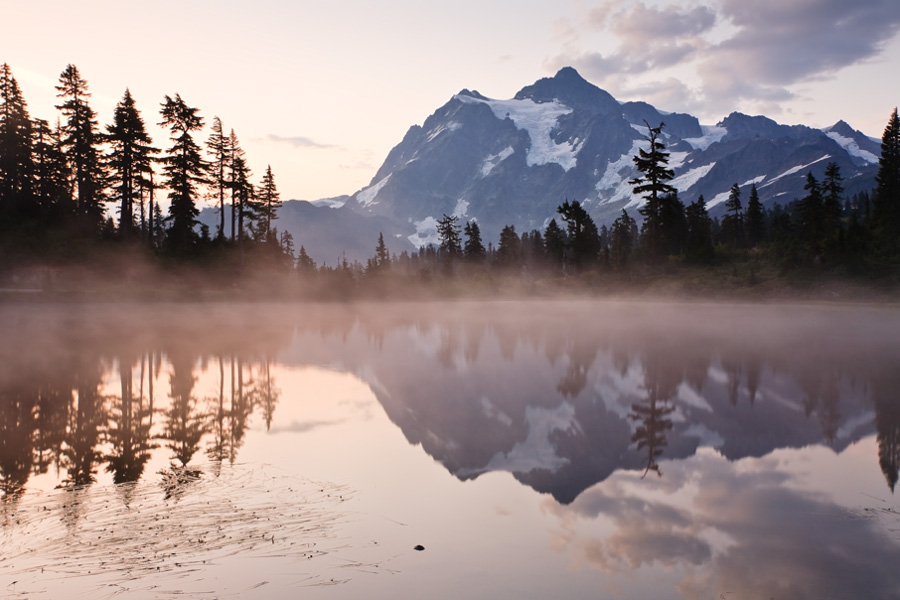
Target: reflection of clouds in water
733	530
305	426
619	388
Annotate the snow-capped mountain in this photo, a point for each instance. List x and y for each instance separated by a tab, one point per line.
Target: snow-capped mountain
514	161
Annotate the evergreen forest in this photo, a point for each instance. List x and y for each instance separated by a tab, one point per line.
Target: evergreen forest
85	208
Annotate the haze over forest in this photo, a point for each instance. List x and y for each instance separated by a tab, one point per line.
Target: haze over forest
60	184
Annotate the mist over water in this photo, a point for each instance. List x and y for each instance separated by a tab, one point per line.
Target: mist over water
679	450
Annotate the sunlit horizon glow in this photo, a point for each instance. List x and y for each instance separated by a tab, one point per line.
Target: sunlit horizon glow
323	92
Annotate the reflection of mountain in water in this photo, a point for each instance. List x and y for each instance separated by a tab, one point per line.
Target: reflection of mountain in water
562	400
560	394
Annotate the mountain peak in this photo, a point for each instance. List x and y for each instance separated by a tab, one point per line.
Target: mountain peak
570	88
472	94
842	128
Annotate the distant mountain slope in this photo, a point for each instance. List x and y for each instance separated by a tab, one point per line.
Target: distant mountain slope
327	234
514	161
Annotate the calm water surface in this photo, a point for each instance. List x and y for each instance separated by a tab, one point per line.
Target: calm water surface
534	449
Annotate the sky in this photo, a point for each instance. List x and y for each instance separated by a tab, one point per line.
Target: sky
322	91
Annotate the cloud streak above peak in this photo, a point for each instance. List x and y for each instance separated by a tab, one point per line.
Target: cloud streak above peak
300	142
727	53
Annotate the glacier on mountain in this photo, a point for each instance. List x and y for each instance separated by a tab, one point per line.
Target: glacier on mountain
539	119
495	159
686	180
794	170
852	147
367	196
711	135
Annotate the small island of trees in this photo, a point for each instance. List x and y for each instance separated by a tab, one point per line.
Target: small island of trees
57	179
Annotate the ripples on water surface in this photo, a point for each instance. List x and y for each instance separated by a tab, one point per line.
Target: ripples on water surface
567	449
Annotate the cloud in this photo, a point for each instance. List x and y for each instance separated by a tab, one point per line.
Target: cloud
734	530
299	142
731	51
305	426
777	43
362	161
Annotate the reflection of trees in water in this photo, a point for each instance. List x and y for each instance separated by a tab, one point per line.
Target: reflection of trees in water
886	394
53	363
185	424
17	426
582	354
250	386
268	393
61	419
653	413
130	419
743	371
87	418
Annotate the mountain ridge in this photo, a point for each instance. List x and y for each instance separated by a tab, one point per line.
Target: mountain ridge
512	162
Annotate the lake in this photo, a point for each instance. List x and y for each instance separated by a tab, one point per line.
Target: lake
534	449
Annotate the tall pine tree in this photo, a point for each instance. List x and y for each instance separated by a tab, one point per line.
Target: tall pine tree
699	246
269	200
219	150
755	219
130	159
81	146
184	169
582	235
887	194
653	165
811	213
733	221
52	190
832	191
474	247
235	159
16	162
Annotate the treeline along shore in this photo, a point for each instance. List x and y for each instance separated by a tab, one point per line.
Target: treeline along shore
99	212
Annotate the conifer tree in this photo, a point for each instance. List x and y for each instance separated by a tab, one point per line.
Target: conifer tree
130	159
533	248
185	170
243	194
448	233
622	239
886	212
382	256
156	228
236	158
80	143
582	235
672	224
555	244
699	246
756	219
832	191
733	221
653	164
810	209
474	248
269	201
51	190
16	162
286	241
509	248
305	264
219	149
